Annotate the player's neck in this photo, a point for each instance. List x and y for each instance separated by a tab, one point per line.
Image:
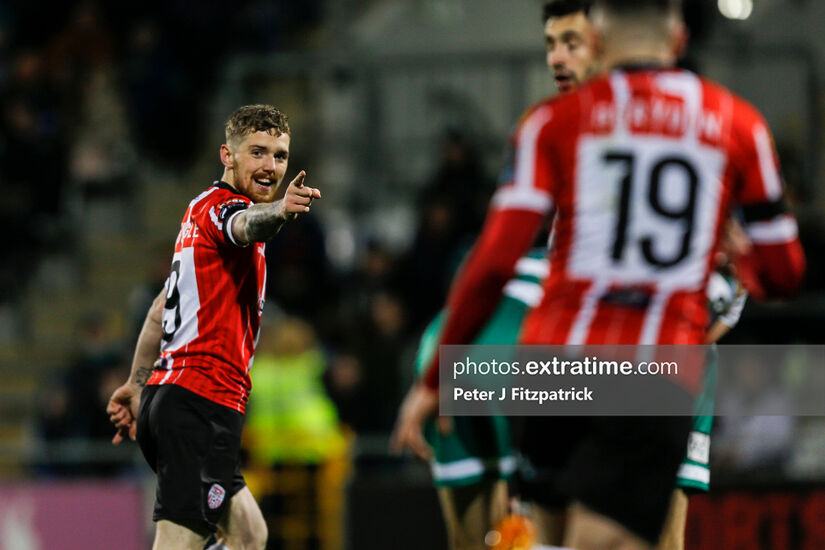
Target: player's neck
228	177
642	54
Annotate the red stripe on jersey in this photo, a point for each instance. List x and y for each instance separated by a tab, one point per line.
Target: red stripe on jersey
686	318
552	320
214	302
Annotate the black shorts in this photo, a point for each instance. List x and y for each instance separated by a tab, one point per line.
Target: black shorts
621	467
193	445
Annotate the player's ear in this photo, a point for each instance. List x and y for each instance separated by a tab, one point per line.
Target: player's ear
597	39
226	155
597	30
679	36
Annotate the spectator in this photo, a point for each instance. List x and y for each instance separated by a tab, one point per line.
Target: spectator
294	440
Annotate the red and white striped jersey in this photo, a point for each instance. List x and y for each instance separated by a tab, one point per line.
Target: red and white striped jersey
642	169
214	302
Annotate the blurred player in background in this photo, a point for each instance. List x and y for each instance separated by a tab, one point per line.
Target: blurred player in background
205	325
472	456
726	300
641	169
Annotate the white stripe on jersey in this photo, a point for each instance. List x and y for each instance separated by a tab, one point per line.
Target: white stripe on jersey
522	195
527	292
167	375
188	305
590	301
527	138
199	198
653	318
229	231
621	97
776	231
767	167
513	198
534	267
688	87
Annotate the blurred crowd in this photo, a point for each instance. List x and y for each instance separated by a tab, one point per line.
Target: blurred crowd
86	89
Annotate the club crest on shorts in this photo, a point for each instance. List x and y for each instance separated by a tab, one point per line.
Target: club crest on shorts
215	496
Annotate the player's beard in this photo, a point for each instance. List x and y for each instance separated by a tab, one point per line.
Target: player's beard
263	193
247	185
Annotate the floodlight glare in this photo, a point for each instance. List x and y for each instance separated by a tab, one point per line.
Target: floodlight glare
736	9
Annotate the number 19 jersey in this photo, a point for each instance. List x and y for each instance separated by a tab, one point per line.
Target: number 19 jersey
642	169
214	302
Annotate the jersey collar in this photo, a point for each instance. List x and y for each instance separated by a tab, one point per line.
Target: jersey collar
224	185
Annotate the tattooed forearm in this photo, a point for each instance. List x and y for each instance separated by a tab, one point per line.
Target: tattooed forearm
261	222
148	344
141	375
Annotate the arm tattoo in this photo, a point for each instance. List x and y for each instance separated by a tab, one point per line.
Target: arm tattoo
263	221
141	376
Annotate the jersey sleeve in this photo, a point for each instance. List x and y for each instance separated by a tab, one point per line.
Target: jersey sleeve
777	260
217	216
527	182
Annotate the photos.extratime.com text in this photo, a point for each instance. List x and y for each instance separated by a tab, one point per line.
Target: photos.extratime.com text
588	366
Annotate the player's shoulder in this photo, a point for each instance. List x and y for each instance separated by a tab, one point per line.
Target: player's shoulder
552	110
215	204
538	113
218	194
220	191
742	110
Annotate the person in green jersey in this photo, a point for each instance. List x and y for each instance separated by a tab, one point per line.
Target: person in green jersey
726	300
472	457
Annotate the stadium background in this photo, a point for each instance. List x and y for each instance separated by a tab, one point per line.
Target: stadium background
110	121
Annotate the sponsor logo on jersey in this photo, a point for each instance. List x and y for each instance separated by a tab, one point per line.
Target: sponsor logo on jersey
215	496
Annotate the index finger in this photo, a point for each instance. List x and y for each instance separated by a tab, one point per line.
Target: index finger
299	179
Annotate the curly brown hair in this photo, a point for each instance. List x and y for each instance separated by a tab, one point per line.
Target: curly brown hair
255	118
